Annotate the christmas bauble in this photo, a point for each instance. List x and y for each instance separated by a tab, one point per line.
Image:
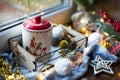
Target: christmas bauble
94	38
64	44
63	66
57	35
107	44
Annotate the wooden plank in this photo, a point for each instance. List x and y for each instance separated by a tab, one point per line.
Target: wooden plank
24	56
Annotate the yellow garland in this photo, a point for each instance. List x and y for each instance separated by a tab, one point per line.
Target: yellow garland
6	71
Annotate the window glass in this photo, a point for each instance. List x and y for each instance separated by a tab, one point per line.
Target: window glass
11	10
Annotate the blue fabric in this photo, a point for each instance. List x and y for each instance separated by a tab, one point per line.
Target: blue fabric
97	49
8	58
77	72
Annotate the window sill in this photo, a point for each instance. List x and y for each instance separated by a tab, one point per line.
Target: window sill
62	16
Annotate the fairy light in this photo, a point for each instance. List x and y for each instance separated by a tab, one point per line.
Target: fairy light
42	13
116	41
49	0
105	16
11	77
83	30
101	20
41	7
69	27
87	33
119	74
82	21
105	33
93	12
54	24
37	5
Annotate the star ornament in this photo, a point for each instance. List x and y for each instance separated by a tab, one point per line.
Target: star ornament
101	65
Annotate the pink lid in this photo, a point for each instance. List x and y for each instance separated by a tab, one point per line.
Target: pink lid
36	23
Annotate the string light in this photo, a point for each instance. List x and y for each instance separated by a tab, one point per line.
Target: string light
83	30
69	27
84	20
116	41
42	13
41	7
119	74
87	33
49	0
93	12
105	33
37	5
10	77
102	20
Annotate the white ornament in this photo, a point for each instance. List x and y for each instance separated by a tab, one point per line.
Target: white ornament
57	32
63	66
80	20
94	38
77	16
101	65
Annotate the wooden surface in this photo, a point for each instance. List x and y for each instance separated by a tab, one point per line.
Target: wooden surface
89	75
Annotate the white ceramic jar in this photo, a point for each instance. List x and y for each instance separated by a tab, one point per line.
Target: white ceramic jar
37	36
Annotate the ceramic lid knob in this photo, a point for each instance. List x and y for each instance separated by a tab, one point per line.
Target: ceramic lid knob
37	23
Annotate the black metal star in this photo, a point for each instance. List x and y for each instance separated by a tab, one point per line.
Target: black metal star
101	65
